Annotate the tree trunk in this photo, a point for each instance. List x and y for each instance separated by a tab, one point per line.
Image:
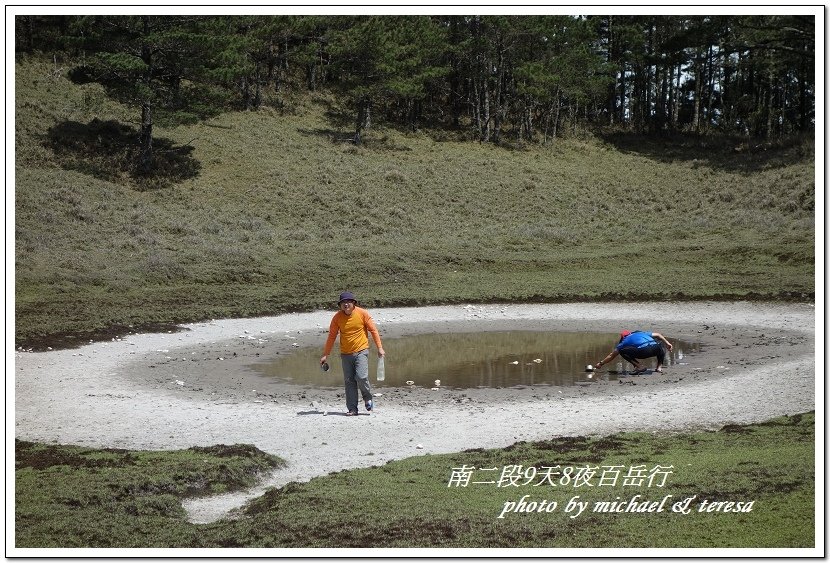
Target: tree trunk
414	114
612	88
677	101
145	136
456	102
803	110
485	112
549	121
528	121
557	109
770	97
623	85
476	107
498	96
710	91
699	77
145	140
661	86
257	91
652	86
246	92
364	119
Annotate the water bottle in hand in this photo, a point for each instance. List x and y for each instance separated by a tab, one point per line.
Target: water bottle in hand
381	372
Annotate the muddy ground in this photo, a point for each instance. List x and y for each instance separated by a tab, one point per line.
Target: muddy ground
196	387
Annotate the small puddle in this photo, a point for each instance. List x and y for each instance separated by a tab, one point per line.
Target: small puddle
472	360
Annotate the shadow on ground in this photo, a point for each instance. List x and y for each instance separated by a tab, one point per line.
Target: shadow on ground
108	150
727	153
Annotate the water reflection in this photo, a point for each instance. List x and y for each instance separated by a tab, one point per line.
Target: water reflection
473	360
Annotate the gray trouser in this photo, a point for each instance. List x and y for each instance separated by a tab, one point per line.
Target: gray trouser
356	374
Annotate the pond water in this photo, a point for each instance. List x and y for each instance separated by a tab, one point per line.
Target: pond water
472	360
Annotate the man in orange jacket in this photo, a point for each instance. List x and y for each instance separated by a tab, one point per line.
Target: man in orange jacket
354	324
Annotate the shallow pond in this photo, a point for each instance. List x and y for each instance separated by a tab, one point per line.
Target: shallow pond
473	360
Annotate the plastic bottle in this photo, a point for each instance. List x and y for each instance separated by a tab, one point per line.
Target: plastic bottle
381	371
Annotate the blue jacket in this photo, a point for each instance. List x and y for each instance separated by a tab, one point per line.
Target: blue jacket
638	339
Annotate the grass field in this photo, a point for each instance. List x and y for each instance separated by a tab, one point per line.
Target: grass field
267	212
78	497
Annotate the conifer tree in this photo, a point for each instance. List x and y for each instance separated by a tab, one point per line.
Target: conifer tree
152	63
383	59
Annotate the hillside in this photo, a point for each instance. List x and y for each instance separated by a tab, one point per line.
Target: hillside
268	212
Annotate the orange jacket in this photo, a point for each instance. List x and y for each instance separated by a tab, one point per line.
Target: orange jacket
354	330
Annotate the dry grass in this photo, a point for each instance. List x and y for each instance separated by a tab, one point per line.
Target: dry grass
280	215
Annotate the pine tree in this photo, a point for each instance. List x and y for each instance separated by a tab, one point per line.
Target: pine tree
382	60
152	63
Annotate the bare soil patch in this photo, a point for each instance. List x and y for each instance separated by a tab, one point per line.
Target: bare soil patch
195	387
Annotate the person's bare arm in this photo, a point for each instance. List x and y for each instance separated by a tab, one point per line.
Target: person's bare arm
611	355
659	336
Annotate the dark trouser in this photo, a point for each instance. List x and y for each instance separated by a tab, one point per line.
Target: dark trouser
631	353
356	375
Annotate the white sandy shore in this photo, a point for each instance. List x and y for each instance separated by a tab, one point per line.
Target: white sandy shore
757	362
